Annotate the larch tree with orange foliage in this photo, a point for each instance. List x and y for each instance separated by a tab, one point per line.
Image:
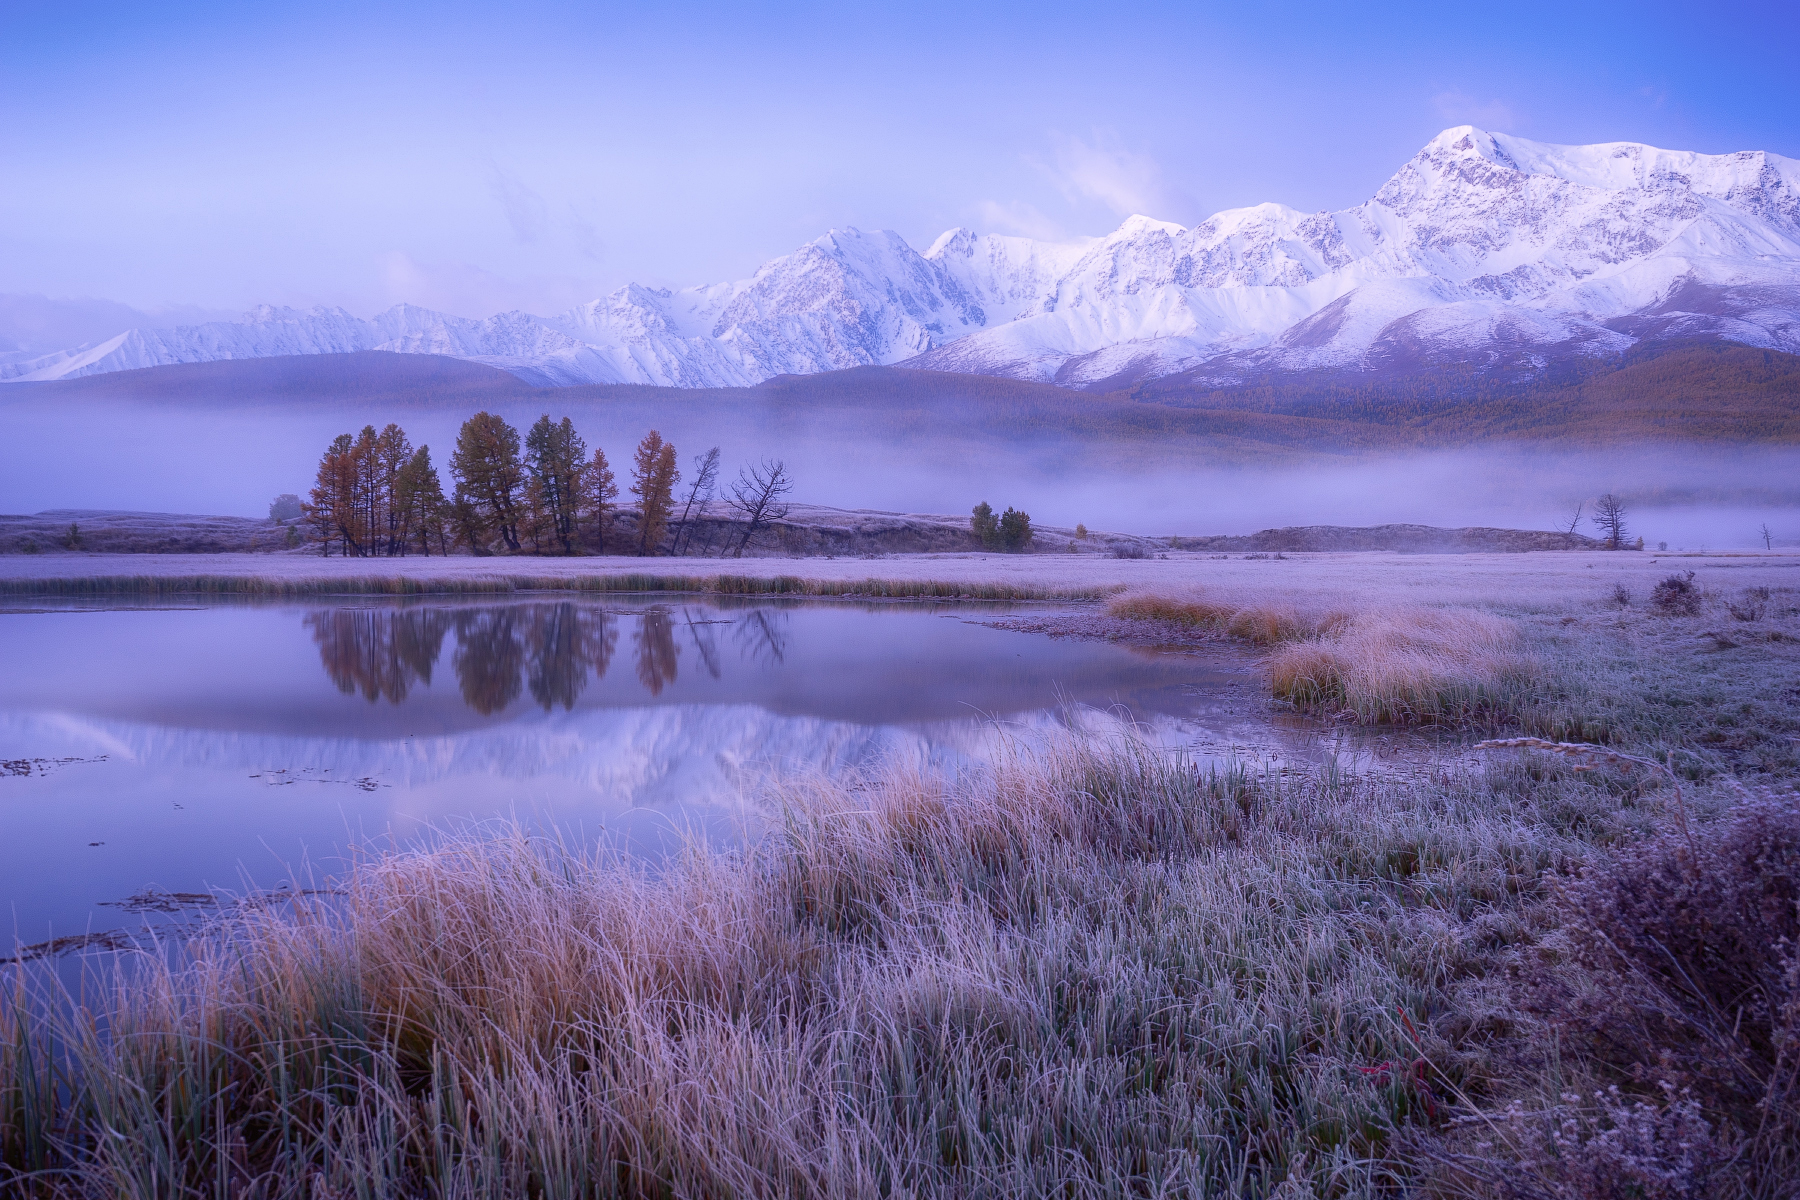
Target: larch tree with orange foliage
654	474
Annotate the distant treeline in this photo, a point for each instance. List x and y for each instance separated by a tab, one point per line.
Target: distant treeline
378	496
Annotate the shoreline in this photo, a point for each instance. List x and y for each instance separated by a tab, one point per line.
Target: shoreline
1536	581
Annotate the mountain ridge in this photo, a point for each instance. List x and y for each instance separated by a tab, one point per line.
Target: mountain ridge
1484	250
1672	393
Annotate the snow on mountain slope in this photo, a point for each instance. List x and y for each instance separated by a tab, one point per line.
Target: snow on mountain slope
1484	249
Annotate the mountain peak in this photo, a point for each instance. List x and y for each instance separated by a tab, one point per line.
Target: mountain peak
1138	224
1485	249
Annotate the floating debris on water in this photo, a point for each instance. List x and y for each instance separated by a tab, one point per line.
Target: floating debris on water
110	939
157	900
41	766
285	776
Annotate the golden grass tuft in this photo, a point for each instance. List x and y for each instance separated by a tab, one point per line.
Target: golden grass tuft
1262	623
1395	663
1408	665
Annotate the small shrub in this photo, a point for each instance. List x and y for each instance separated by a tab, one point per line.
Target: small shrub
1676	596
1621	595
72	539
28	547
1130	552
1683	970
1756	603
1611	1148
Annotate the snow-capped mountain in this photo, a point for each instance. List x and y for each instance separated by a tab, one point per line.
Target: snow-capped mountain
1484	249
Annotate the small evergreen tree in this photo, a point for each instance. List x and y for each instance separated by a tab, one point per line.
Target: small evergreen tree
985	526
1015	531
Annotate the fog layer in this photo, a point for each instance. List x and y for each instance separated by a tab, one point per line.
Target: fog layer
212	459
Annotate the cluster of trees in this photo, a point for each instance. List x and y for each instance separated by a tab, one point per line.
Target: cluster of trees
1009	531
376	495
543	494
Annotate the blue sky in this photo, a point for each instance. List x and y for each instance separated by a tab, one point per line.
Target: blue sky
480	158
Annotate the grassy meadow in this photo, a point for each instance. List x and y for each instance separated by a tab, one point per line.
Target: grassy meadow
1555	969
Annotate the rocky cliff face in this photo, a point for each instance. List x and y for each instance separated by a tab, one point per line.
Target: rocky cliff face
1484	250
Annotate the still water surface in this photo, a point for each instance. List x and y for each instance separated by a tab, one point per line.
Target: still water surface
159	750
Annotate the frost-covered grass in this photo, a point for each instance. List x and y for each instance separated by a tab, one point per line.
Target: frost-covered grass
1086	971
1582	655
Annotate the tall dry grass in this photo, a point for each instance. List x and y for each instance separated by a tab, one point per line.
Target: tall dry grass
1387	663
1093	972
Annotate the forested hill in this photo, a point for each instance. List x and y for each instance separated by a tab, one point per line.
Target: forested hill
1709	391
1712	393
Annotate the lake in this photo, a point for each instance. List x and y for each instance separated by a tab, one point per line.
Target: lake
151	754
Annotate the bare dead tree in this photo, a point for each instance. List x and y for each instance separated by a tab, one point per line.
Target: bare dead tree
1609	515
756	498
1575	521
1768	536
701	491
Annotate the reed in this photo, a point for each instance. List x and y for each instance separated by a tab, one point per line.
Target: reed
1089	971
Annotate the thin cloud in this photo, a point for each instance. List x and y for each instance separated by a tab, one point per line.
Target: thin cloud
524	209
465	290
1460	108
1124	181
1020	219
584	235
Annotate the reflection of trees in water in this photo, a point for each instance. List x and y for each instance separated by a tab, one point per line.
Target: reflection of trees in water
656	650
762	635
380	654
554	649
564	642
706	643
489	657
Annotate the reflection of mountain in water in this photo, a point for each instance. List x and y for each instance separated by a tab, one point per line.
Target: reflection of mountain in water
670	757
555	650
